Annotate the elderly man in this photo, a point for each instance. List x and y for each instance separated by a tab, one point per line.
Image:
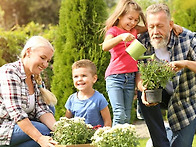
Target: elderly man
180	94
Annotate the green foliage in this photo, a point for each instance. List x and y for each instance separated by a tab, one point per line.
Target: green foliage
155	74
12	42
184	13
20	12
78	38
2	61
1	17
72	131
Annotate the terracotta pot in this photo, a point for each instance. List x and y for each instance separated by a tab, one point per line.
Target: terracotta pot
154	96
77	145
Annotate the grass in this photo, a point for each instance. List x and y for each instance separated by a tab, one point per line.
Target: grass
143	141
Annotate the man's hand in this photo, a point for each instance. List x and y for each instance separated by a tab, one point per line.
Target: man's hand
144	101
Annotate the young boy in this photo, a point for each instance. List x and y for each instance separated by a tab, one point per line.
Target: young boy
87	102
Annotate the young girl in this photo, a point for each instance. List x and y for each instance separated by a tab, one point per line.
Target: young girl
121	28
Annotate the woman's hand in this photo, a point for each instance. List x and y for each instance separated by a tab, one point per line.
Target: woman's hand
46	141
127	37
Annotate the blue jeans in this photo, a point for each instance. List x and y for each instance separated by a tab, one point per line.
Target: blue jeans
120	89
184	137
21	139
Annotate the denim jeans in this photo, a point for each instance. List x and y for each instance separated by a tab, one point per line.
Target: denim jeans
154	121
120	89
21	139
184	137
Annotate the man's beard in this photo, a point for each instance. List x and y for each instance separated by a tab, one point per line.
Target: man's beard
159	44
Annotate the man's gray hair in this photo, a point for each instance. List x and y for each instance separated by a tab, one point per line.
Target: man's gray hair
157	8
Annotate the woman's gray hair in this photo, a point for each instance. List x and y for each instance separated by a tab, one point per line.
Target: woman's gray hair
157	8
36	42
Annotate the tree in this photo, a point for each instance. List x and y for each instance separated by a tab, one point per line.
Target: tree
78	38
20	12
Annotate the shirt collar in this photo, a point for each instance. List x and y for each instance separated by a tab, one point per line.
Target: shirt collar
171	41
21	68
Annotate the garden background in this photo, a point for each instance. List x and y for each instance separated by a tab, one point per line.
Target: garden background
74	28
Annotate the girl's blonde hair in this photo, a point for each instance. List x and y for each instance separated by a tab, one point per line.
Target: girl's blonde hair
36	42
48	97
122	8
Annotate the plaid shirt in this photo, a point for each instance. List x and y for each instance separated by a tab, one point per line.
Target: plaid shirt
14	100
182	105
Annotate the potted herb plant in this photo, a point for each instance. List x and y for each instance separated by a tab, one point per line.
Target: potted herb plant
155	75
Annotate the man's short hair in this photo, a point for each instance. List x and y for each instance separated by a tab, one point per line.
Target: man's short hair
157	8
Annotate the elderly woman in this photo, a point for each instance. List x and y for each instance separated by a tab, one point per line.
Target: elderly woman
25	116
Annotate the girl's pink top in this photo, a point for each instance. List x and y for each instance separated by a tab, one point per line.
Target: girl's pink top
120	62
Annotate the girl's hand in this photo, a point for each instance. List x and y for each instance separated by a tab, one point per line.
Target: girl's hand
177	29
127	37
46	141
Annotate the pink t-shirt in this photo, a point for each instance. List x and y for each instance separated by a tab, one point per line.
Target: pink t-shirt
121	61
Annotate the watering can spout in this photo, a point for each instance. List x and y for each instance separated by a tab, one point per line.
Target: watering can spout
146	57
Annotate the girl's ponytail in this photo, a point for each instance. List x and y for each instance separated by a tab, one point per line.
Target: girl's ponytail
48	97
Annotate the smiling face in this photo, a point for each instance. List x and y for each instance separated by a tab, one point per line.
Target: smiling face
37	59
129	20
83	78
159	28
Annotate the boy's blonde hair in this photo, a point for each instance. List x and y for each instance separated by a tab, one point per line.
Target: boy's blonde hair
85	63
122	8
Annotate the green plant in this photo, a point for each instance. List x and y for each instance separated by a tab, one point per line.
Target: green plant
155	74
121	135
72	131
78	37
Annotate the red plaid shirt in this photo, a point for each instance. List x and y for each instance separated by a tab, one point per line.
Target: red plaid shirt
14	99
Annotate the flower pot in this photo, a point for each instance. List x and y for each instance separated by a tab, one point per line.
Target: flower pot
154	96
76	145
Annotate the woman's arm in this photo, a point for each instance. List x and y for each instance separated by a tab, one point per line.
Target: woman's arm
105	113
49	120
28	128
